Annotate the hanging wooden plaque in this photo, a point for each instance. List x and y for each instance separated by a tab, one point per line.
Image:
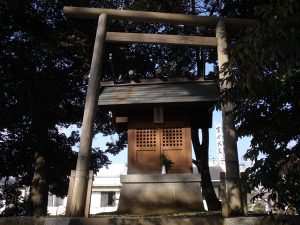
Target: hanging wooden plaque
158	115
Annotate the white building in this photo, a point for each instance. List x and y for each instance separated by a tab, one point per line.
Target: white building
106	188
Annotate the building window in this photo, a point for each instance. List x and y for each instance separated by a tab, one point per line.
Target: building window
108	199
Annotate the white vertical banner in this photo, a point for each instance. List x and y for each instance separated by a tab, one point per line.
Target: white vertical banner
220	140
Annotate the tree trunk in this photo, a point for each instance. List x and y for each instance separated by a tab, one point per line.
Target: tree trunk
39	185
201	153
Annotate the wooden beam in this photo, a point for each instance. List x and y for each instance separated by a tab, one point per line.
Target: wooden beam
70	192
233	187
78	202
89	194
121	119
222	194
118	37
155	17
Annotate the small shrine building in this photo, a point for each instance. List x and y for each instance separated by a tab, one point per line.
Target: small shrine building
159	116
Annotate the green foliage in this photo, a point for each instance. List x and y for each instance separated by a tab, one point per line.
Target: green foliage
165	161
258	207
43	76
11	199
265	63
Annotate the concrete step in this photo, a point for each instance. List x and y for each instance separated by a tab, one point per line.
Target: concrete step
261	220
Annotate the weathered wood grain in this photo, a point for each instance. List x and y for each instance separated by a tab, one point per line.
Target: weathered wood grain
118	37
168	18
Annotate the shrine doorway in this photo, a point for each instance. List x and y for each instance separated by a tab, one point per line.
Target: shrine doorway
148	141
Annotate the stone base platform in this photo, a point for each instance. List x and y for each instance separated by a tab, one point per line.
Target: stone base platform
158	194
277	220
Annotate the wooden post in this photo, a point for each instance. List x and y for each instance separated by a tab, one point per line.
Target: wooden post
223	195
89	194
70	192
82	168
244	198
230	147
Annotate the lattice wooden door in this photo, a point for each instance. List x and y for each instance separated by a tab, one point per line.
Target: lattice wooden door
148	141
146	147
173	143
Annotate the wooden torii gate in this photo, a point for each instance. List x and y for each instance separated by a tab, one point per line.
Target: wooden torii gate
233	191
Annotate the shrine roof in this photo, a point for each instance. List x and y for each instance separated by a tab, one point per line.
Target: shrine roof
158	93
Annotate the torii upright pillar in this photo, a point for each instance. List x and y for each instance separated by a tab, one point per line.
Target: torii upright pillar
233	189
78	201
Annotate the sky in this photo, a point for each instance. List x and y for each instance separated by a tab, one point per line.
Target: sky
243	144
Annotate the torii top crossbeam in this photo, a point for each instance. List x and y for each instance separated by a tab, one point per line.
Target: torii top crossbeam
170	18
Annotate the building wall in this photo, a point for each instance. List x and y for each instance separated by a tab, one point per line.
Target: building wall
56	205
104	200
106	189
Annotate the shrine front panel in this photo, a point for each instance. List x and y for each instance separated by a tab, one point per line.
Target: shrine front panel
146	148
147	141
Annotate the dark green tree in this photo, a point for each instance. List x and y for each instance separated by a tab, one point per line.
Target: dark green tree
265	65
14	202
44	68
